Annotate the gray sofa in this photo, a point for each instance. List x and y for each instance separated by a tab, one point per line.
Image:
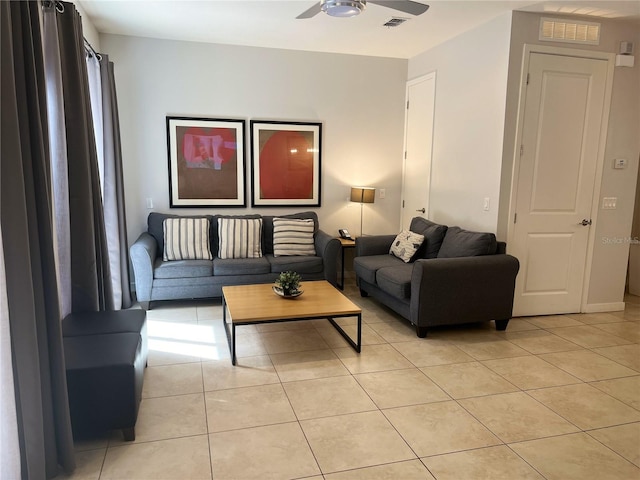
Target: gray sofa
455	277
156	279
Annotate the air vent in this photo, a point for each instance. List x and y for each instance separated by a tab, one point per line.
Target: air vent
394	22
569	31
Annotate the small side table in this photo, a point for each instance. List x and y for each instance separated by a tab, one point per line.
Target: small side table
344	244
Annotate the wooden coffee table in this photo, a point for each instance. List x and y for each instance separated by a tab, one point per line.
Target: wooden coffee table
252	304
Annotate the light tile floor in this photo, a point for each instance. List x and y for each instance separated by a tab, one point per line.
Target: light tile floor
554	397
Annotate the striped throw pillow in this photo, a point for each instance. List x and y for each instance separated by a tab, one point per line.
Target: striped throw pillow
240	237
186	239
293	237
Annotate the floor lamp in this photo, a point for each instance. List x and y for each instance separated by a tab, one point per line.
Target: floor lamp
362	195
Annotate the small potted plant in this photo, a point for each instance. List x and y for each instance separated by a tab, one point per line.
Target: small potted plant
289	283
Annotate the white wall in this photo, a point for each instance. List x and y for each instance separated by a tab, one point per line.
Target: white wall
469	123
613	227
359	101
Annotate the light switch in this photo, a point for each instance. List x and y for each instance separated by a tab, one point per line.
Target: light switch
620	163
149	202
487	204
383	193
609	203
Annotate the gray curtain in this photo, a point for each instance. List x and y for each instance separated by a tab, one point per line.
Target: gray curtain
58	153
90	272
115	217
44	427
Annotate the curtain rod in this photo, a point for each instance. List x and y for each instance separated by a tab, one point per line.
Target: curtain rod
49	3
90	50
60	9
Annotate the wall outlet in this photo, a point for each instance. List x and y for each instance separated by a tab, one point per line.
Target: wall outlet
383	193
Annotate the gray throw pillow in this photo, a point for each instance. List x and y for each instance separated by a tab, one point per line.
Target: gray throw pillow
433	236
463	243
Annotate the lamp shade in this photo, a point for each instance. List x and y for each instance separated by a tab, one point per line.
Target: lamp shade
363	194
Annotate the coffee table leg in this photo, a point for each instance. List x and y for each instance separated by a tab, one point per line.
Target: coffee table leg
356	346
231	336
359	333
341	284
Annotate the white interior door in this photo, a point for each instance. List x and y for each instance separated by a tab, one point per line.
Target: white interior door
418	146
561	135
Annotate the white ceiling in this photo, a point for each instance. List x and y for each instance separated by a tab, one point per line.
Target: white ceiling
273	23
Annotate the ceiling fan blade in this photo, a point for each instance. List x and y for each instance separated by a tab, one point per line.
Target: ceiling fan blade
312	12
406	6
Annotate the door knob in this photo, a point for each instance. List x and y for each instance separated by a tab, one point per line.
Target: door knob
585	222
422	210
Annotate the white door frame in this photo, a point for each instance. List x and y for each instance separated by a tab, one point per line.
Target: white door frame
569	52
410	83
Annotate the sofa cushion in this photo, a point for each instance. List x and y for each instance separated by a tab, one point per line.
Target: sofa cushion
267	226
240	266
182	268
367	266
155	227
433	236
293	236
239	237
186	239
463	243
395	281
215	239
405	245
299	264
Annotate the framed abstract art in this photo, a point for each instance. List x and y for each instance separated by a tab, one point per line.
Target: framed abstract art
285	163
206	162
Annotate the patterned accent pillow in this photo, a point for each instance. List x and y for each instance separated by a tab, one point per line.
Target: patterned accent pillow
293	237
406	245
240	237
186	239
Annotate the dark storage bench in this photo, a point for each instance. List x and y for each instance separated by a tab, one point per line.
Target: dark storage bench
105	356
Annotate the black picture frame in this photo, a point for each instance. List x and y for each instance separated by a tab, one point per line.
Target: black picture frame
286	163
207	162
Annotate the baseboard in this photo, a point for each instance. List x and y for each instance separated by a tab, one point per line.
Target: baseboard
604	307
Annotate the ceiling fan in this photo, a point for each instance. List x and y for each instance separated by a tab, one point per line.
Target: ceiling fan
350	8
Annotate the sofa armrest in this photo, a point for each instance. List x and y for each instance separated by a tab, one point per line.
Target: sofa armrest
143	254
373	245
328	248
466	289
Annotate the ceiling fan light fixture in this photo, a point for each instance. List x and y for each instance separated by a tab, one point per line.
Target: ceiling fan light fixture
343	8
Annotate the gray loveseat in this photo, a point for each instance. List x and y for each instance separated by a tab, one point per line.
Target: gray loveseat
156	279
455	277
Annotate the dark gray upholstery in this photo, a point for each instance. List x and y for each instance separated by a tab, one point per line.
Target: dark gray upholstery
297	263
367	266
241	266
182	268
441	291
183	279
105	356
463	243
433	236
395	280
